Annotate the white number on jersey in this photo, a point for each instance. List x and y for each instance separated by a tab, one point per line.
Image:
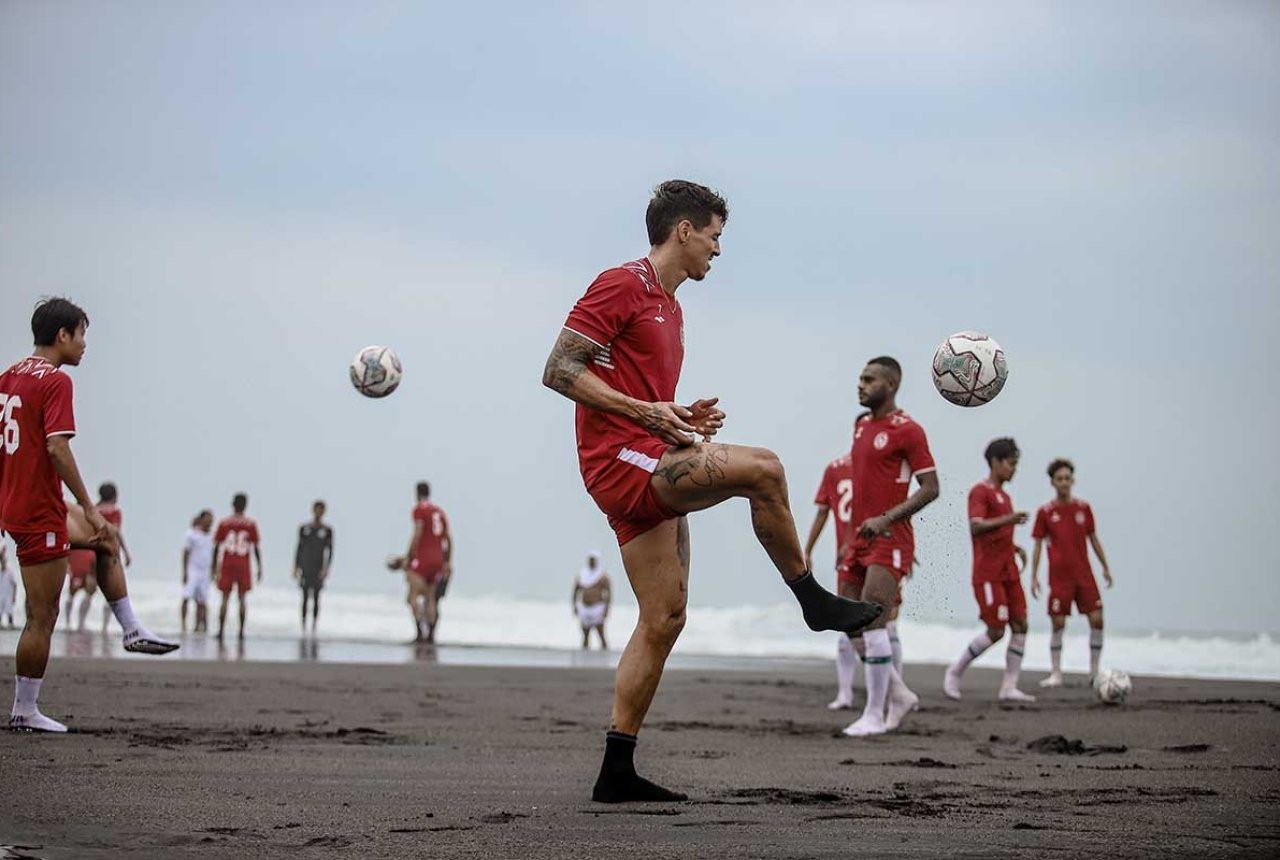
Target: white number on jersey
8	424
437	524
844	509
237	543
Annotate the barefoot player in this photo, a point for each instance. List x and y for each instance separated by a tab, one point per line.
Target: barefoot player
1067	522
592	598
36	424
235	537
835	494
311	561
889	450
197	564
619	357
428	563
996	585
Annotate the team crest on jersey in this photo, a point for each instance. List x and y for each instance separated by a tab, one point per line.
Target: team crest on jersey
1080	518
881	440
1055	517
1000	498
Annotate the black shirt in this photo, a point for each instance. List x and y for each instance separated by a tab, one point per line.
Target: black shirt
315	547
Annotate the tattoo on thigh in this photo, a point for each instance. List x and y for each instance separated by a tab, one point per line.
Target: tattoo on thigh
704	466
682	542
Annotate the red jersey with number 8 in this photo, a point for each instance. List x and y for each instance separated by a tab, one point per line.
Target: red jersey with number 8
35	404
429	553
237	535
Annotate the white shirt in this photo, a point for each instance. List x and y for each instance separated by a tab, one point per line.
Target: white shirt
199	545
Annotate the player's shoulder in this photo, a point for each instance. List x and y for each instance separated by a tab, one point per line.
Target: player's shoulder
841	462
632	274
1046	508
903	422
982	488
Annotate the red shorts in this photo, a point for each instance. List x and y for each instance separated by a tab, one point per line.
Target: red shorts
81	564
428	570
1000	602
1082	591
895	557
40	547
240	579
623	490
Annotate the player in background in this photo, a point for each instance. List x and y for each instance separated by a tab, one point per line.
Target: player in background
81	562
428	563
1067	522
835	494
619	357
37	422
8	587
889	451
592	599
996	583
197	566
311	561
236	535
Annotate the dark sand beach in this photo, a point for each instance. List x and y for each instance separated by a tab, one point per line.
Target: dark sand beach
263	760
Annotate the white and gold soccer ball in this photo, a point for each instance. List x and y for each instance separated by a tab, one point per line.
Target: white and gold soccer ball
969	368
375	371
1112	686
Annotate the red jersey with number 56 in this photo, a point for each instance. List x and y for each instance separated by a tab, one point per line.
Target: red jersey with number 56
887	453
836	492
238	535
429	553
35	404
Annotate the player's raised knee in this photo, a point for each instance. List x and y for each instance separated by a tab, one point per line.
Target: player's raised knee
767	469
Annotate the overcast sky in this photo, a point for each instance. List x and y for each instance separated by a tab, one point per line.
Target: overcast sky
243	194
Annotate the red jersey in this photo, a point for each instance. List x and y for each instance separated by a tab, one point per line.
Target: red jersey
1067	527
35	404
430	550
887	453
237	534
111	513
640	329
836	492
993	559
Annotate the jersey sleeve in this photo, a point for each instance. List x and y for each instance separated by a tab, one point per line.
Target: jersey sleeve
188	543
1041	528
606	307
59	417
915	447
823	496
1088	519
221	533
420	514
978	503
253	533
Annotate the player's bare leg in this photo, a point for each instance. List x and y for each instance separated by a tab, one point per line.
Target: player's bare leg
1095	641
657	564
43	583
604	646
705	474
586	637
222	613
432	611
888	697
90	589
202	618
416	598
111	580
1059	623
244	612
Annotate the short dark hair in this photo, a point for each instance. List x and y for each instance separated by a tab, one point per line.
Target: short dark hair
1001	449
319	503
424	490
107	492
887	362
239	502
52	315
204	513
1061	463
677	200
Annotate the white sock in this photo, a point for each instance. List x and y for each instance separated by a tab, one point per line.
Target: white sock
25	693
1013	660
123	610
1055	651
896	644
971	652
879	670
846	668
1095	650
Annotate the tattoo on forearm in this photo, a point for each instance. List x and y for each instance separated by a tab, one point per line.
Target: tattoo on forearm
568	360
704	466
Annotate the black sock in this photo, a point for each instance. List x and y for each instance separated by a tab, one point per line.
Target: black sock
618	781
826	611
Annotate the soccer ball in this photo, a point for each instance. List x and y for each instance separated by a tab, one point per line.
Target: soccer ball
969	369
375	371
1111	686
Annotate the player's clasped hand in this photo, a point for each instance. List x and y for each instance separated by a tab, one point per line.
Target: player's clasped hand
874	527
705	418
97	523
670	423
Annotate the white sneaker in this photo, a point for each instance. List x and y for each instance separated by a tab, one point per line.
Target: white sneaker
36	722
143	641
1013	694
840	704
951	684
1053	682
866	726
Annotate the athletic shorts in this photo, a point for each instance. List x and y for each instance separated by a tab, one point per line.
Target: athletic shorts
1082	591
196	587
593	615
897	557
240	580
311	581
1000	602
857	577
428	574
81	564
623	490
40	547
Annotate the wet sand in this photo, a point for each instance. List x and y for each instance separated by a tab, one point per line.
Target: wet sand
263	760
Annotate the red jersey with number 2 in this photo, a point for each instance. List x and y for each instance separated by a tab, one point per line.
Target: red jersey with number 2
836	492
429	554
238	535
35	404
887	453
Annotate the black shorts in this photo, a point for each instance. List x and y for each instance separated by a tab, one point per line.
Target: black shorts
311	581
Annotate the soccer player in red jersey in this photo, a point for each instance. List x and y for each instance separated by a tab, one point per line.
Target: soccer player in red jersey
1067	522
996	585
81	562
619	357
835	495
36	424
889	450
428	563
235	536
